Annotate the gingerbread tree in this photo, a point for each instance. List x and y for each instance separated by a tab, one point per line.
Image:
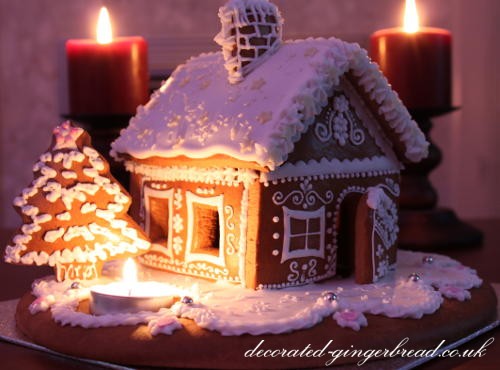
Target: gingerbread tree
74	212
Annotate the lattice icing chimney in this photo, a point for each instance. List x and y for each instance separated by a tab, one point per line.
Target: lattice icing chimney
251	32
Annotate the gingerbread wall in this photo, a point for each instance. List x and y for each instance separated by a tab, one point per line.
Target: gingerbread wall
195	227
298	240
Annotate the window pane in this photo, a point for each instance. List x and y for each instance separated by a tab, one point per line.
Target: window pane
314	225
298	226
314	242
297	243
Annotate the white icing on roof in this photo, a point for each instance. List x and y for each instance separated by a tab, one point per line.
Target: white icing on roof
198	113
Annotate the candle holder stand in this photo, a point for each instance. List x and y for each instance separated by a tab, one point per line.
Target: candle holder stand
104	129
423	225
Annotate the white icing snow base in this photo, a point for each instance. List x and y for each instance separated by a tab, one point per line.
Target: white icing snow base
233	310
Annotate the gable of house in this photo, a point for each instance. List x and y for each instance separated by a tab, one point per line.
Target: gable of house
343	132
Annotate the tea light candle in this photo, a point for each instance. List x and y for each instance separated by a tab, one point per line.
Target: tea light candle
130	295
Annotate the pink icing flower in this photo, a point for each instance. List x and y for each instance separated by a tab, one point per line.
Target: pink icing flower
350	319
350	315
165	321
455	292
166	324
42	303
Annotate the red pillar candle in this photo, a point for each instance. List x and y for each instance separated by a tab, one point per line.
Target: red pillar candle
107	76
416	61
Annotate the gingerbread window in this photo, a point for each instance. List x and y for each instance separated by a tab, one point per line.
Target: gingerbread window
304	234
158	207
207	233
205	238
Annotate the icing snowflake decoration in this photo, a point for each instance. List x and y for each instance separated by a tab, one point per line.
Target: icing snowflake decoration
251	32
65	136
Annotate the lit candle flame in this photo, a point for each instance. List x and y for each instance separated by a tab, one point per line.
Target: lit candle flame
104	32
129	272
411	17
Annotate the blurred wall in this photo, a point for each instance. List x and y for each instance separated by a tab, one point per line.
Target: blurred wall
32	32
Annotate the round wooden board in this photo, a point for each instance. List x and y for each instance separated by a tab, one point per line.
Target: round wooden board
193	347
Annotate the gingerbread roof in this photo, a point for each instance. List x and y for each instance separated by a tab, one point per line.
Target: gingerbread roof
197	113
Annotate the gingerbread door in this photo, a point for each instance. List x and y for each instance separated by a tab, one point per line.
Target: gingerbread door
376	230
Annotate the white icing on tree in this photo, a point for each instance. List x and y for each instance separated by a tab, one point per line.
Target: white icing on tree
251	32
74	222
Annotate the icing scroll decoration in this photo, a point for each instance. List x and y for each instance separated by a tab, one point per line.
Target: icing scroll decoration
208	268
391	186
303	273
230	237
341	124
306	196
385	226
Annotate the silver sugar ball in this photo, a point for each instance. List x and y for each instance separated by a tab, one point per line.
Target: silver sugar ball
75	285
414	277
330	296
187	300
428	260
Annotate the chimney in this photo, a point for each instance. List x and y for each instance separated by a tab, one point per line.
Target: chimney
251	32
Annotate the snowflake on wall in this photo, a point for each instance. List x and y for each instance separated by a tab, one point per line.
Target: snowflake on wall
341	124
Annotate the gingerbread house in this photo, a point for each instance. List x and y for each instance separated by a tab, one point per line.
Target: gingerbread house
285	173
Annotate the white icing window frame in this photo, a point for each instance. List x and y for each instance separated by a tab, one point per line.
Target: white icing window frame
217	202
161	194
302	215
